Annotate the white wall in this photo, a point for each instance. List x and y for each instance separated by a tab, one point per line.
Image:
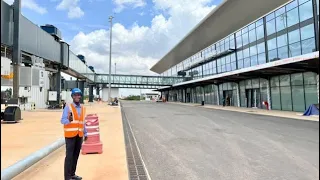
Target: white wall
105	92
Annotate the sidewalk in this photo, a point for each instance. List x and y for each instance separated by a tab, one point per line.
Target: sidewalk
111	164
35	131
276	113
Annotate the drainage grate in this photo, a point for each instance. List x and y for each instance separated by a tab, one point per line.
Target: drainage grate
136	167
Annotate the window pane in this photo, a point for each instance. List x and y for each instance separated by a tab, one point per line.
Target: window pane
292	5
239	41
306	11
233	57
233	66
272	44
240	64
280	11
307	32
283	52
282	40
254	60
273	55
302	1
297	79
228	59
232	44
275	98
252	36
284	80
311	95
286	101
270	16
245	39
244	30
274	81
308	46
281	22
253	50
293	17
260	32
240	55
246	53
271	27
246	62
310	78
298	98
252	26
294	36
295	49
262	58
259	22
261	48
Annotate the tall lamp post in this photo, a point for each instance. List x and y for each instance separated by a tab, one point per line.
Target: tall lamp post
109	78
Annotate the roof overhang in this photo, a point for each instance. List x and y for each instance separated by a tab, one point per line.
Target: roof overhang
228	17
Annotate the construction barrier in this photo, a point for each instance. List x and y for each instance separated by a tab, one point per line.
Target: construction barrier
93	143
22	165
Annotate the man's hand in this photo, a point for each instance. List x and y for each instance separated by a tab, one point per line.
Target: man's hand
70	118
85	138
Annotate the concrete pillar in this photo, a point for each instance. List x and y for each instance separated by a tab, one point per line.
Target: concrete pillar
91	93
203	94
218	95
269	94
238	94
57	78
81	87
98	90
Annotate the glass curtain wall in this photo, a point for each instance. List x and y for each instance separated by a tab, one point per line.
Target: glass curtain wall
211	94
294	92
253	92
228	94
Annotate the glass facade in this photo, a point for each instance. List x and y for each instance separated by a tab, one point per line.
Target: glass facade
289	31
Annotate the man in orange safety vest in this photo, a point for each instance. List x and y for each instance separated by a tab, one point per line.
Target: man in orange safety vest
73	120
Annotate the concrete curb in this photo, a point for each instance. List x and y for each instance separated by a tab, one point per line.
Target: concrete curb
22	165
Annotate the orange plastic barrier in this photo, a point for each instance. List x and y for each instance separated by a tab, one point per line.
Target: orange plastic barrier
93	143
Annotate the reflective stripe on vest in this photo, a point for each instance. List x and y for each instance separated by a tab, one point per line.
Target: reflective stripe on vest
76	126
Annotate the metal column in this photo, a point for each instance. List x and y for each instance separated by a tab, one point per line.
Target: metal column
16	52
81	87
91	93
57	78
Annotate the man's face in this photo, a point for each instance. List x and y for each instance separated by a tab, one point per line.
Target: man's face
76	97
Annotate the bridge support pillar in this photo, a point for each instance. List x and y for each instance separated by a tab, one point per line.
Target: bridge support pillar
55	85
91	93
81	87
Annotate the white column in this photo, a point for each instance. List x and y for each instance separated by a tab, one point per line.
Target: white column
269	94
238	94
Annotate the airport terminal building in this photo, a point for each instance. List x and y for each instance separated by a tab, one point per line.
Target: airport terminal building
249	53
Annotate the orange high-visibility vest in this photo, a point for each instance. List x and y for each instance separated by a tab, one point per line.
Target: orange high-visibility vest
76	126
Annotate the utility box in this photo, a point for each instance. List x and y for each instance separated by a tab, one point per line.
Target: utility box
52	96
12	114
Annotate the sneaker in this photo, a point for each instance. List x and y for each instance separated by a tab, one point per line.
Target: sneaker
76	177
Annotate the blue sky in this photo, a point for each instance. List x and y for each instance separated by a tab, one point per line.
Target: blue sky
143	30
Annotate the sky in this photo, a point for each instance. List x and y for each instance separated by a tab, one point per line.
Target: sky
143	30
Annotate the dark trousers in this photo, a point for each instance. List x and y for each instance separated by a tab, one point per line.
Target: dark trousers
73	147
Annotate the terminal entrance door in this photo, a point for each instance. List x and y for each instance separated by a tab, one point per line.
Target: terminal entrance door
228	97
253	98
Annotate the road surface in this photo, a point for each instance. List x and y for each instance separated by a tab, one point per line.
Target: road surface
193	143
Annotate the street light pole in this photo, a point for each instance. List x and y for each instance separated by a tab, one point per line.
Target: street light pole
109	78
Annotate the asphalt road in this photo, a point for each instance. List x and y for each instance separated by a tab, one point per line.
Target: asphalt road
192	143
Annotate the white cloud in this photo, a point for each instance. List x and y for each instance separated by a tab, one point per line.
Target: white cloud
72	6
121	4
137	48
30	4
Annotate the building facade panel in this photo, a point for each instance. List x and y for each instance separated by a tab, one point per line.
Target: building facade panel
289	31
